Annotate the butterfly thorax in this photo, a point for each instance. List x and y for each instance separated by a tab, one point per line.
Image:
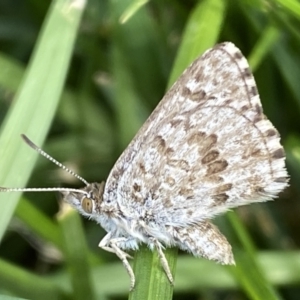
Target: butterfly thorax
111	215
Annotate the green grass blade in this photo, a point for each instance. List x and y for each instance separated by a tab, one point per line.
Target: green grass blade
201	33
132	9
36	101
152	282
76	254
248	271
267	40
292	6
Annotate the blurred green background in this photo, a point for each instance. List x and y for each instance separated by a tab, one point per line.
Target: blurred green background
86	75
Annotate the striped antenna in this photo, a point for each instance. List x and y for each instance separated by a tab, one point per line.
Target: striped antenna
55	189
43	153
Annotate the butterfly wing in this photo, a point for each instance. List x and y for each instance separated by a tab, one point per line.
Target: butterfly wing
207	147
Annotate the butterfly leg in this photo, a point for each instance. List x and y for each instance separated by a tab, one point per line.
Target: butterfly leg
111	245
159	247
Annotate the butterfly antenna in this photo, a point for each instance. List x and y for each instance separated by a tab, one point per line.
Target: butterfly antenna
4	189
43	153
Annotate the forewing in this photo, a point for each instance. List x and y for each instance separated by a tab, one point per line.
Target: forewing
205	148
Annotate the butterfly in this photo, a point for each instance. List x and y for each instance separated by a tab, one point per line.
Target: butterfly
206	148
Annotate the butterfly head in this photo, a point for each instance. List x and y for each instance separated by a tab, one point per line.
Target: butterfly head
87	200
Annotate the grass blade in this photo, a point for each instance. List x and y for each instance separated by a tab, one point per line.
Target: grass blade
36	101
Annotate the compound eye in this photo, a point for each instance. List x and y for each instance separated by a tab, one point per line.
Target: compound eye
87	205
